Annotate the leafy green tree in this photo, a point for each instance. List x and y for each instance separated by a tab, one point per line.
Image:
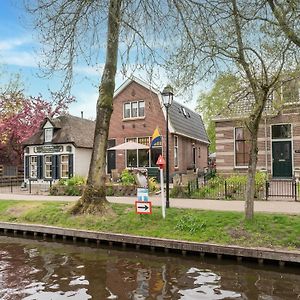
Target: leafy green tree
234	36
213	102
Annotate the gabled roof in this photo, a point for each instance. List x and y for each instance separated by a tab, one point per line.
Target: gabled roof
189	125
187	122
67	129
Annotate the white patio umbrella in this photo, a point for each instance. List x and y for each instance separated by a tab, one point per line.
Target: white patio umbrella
129	146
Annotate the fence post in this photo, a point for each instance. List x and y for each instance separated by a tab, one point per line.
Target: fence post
295	189
11	185
29	186
225	185
267	189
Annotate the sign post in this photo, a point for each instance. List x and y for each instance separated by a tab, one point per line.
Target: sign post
161	163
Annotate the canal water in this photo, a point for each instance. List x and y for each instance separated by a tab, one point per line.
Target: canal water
36	269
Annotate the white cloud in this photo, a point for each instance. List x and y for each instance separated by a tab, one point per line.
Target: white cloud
89	70
19	58
86	103
10	44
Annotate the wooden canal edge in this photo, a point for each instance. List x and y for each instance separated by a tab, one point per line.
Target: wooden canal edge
261	255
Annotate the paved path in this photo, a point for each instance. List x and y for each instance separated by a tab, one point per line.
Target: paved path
287	207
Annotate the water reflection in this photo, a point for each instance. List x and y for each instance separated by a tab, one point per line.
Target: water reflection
31	269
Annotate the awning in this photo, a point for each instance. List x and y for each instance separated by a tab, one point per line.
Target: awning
129	146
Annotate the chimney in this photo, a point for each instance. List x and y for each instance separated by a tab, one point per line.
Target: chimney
81	114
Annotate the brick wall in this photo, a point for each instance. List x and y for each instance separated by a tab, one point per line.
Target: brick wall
225	142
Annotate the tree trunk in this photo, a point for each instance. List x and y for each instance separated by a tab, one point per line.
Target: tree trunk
250	188
94	200
253	126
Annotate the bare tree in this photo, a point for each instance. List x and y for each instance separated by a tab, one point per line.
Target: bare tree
216	36
287	14
72	32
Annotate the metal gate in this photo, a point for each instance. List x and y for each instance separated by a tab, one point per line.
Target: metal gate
282	189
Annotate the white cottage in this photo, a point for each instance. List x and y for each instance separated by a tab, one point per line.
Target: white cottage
60	149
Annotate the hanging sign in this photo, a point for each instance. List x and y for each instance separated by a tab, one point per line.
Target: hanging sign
48	149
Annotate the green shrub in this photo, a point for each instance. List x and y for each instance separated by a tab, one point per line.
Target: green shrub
152	184
127	178
179	191
235	187
74	190
109	190
75	180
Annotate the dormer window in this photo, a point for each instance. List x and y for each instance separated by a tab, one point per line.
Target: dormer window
48	135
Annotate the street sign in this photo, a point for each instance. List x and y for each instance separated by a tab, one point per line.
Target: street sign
160	162
142	194
142	207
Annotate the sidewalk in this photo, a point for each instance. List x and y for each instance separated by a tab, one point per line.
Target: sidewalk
286	207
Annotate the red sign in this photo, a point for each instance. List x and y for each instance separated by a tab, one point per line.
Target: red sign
143	207
161	162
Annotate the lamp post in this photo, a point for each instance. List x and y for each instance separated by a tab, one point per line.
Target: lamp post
167	96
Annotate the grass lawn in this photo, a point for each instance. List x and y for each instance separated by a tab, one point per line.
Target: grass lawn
267	230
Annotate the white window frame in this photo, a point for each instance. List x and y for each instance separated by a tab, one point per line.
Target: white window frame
33	166
234	148
48	135
64	163
48	166
124	104
138	116
176	158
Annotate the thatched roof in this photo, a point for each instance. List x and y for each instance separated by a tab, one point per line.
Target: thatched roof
67	129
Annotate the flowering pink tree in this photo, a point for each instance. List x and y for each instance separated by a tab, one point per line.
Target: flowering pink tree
21	117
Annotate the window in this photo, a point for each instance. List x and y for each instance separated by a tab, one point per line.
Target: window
142	158
282	131
141	108
132	158
143	154
33	166
241	147
64	163
48	135
127	110
69	148
176	151
48	166
155	153
134	109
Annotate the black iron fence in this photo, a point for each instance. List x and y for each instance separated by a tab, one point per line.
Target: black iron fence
283	189
18	186
226	189
222	190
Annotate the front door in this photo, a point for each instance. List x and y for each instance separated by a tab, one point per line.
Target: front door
111	156
282	159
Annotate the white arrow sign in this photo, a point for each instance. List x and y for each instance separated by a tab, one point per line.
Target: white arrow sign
142	207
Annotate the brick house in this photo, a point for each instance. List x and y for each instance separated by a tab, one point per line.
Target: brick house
62	146
138	110
278	139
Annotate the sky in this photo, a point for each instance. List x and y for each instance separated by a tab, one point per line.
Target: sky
19	54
